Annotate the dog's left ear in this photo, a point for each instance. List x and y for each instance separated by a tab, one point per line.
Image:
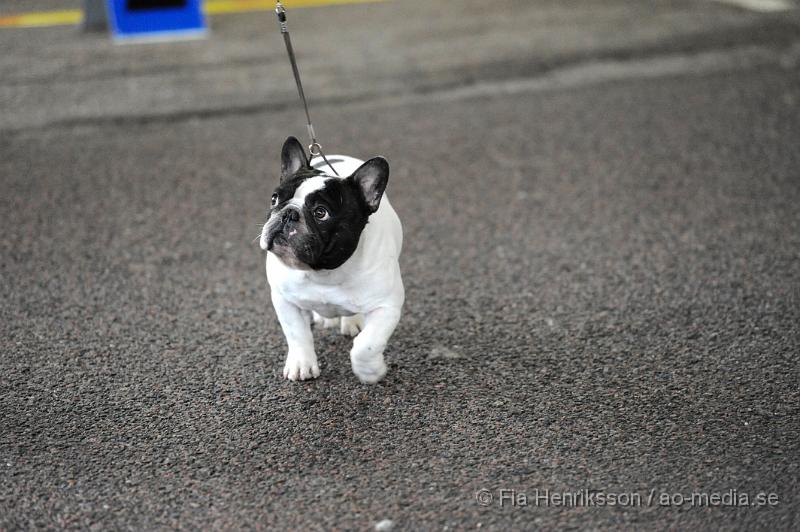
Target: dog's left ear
293	158
371	179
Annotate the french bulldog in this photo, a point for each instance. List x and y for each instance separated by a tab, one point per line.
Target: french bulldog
333	245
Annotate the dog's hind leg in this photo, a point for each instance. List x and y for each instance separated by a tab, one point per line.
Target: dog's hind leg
352	325
325	323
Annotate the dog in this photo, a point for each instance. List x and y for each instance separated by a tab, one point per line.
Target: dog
333	247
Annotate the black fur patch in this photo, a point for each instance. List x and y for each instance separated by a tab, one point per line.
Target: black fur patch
337	237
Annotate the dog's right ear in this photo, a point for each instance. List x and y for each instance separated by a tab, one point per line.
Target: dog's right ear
293	158
371	178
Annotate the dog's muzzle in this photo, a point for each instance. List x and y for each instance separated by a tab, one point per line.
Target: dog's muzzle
283	227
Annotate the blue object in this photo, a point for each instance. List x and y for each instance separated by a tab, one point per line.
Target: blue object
156	19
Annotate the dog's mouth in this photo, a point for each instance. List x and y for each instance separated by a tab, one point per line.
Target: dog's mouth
290	244
276	238
278	234
279	244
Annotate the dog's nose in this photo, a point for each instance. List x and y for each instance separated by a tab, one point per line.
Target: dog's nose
290	215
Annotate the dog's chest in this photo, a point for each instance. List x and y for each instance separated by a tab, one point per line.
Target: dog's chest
327	299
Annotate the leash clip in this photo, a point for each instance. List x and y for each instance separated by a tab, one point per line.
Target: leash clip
281	12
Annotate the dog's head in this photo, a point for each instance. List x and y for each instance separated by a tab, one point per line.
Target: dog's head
315	220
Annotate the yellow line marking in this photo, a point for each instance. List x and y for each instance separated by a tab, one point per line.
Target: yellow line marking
70	17
41	19
219	7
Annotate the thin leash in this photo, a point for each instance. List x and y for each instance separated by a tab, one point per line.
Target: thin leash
314	148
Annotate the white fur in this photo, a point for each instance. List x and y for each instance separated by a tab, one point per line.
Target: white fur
307	187
365	294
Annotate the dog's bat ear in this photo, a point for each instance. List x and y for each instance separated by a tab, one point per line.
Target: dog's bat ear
371	179
293	158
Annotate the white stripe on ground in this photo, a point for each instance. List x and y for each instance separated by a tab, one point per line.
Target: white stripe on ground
588	74
762	6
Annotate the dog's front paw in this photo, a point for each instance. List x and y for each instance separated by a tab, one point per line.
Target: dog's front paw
352	325
300	367
369	371
367	363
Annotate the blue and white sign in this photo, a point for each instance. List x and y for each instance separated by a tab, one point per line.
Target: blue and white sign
156	19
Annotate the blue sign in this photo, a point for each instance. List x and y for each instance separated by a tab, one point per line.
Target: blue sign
156	19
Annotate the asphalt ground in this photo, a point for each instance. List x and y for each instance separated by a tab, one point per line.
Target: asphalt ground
602	294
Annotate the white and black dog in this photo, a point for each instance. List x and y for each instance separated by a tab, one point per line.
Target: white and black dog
333	245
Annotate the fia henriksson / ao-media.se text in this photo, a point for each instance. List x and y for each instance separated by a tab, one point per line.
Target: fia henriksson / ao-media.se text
586	498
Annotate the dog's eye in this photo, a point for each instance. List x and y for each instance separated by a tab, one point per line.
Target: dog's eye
321	213
274	199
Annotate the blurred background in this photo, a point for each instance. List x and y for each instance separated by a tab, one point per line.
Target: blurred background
350	52
601	259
